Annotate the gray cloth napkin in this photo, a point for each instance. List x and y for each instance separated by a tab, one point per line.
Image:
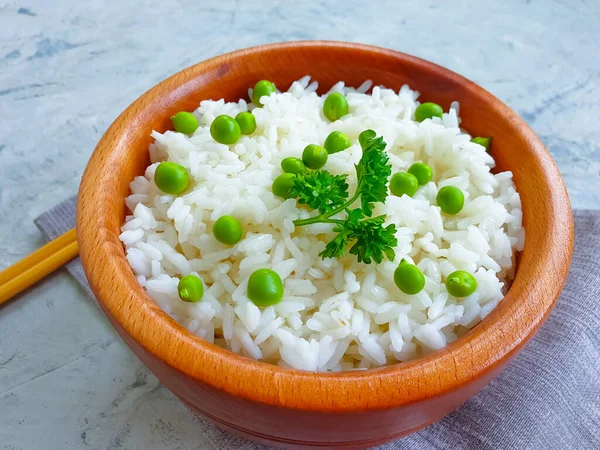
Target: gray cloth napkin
548	398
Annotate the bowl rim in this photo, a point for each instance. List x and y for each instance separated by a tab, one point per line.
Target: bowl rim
482	350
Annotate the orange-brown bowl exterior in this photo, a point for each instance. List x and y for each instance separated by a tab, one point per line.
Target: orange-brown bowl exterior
322	410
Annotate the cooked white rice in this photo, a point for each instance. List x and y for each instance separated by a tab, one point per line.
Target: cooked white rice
336	314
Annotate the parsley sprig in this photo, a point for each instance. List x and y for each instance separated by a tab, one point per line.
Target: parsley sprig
328	194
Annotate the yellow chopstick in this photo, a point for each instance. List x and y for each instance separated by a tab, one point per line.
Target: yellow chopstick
36	266
37	256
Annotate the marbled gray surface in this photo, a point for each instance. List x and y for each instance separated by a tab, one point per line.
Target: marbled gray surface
68	68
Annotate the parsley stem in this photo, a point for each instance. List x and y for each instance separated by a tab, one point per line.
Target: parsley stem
325	218
317	219
345	205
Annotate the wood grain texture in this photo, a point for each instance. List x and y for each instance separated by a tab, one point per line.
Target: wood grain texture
298	409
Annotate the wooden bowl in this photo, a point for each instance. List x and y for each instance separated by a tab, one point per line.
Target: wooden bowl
294	409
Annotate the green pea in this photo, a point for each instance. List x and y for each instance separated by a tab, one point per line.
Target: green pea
171	178
365	137
261	89
409	278
184	122
336	142
247	122
225	130
335	106
451	199
483	141
422	171
427	111
461	284
282	185
293	165
265	287
403	183
227	230
314	157
190	289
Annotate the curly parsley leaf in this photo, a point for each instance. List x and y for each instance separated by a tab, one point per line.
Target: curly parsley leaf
320	190
337	246
373	241
373	172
